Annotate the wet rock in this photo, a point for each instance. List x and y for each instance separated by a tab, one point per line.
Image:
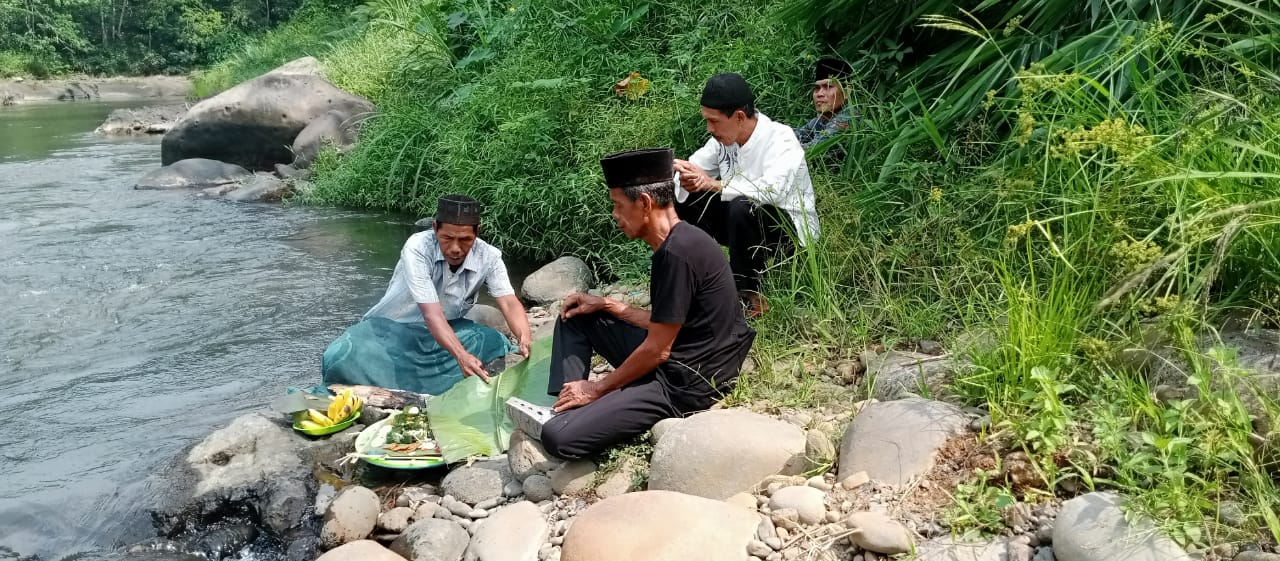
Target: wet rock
876	532
142	121
659	526
351	517
193	173
363	550
224	541
432	539
894	441
703	454
478	482
513	533
557	279
805	500
1092	527
261	188
254	123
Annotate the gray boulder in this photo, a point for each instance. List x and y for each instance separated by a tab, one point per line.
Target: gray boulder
192	173
352	516
556	280
894	441
255	123
432	539
334	128
660	526
261	188
718	454
490	316
478	482
144	120
1092	527
513	533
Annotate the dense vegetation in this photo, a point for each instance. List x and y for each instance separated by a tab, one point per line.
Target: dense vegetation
1055	188
41	38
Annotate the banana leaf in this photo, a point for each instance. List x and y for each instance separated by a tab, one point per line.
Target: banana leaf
471	418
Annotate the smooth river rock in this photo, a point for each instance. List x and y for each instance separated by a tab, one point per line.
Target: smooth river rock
432	539
718	454
1092	527
478	482
660	526
557	279
192	173
513	533
363	550
894	441
352	516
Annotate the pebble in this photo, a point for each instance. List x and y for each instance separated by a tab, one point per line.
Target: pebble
773	543
544	552
1044	554
513	489
981	424
783	534
854	481
758	549
775	556
785	518
817	482
765	530
1019	549
455	506
478	513
790	554
489	504
557	540
832	516
1044	534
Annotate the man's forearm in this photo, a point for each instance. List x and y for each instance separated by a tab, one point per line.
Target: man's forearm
642	361
442	332
516	318
634	316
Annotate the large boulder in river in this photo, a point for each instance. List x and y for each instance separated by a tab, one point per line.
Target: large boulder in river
255	123
335	128
192	173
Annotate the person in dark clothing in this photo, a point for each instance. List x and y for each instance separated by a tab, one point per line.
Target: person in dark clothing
677	359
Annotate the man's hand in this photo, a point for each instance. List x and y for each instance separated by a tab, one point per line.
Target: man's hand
580	303
694	179
471	366
524	342
577	394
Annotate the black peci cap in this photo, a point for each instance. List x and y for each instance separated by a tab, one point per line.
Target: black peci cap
458	209
638	167
831	68
727	92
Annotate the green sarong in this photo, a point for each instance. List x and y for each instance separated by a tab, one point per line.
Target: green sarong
404	356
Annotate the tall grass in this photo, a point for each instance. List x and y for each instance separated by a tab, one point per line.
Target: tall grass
312	33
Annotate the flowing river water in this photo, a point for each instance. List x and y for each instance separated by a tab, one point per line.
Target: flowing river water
133	323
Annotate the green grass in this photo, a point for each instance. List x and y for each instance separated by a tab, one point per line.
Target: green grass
1080	187
311	34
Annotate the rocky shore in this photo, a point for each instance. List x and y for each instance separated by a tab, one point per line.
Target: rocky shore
20	90
866	478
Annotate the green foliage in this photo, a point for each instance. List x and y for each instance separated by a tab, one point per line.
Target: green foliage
308	35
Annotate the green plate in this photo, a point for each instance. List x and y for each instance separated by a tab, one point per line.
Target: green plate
336	427
365	446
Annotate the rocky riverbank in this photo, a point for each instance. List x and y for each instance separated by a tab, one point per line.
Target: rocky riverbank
20	90
863	479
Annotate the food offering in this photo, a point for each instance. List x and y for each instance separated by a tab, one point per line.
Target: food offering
401	441
341	413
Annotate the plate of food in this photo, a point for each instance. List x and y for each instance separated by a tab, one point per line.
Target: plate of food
401	441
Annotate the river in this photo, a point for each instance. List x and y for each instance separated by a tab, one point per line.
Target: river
133	323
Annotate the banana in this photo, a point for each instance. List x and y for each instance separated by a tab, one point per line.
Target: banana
319	418
310	425
334	407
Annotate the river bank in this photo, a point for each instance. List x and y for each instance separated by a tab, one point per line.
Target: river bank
121	88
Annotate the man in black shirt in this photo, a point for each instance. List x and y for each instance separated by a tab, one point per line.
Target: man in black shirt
677	359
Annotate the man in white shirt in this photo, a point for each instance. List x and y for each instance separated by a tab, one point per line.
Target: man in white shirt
416	337
748	187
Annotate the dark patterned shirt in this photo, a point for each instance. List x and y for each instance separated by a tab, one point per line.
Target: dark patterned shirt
821	128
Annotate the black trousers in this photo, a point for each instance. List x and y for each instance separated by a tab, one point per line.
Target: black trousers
621	414
752	232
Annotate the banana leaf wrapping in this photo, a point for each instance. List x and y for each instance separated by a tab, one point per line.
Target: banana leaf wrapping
471	418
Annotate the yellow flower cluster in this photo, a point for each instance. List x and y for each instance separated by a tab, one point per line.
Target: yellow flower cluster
1016	232
1094	349
1125	140
1012	26
1136	255
935	195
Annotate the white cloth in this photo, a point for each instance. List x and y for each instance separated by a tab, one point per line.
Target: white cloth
768	169
422	276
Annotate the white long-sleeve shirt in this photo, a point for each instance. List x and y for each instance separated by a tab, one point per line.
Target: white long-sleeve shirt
768	169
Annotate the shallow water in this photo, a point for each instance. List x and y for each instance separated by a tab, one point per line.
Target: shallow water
132	323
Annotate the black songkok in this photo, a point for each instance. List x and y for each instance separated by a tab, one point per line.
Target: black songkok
458	209
638	167
831	68
727	92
